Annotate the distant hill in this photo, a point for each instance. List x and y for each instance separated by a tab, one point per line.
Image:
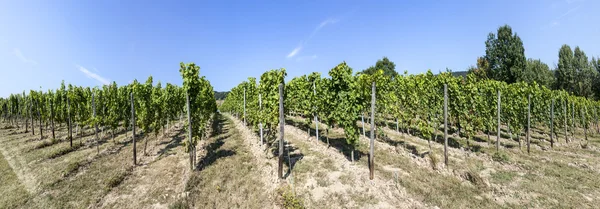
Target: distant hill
221	95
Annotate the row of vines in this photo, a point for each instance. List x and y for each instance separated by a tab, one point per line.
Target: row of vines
414	103
110	107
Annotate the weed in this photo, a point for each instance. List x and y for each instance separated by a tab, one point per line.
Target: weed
434	160
288	199
179	204
65	150
115	180
500	157
475	179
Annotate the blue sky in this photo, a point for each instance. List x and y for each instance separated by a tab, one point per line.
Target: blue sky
93	42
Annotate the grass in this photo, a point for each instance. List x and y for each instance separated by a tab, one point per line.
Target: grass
227	180
500	157
503	177
322	179
14	193
287	198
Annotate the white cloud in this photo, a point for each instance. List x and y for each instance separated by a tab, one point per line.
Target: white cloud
22	57
568	12
93	75
295	51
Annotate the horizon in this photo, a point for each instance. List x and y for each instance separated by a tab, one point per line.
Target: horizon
89	44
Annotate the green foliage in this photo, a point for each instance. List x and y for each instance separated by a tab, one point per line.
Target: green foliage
500	157
201	101
346	101
288	199
505	54
539	72
388	67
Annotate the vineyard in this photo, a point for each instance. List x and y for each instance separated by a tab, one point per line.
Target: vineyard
468	122
352	140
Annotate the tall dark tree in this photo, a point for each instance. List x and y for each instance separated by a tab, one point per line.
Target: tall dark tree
505	54
388	67
565	73
585	74
595	63
575	73
537	71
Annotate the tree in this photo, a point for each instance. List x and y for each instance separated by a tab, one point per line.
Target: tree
481	70
537	71
585	74
388	67
565	73
595	63
505	54
575	73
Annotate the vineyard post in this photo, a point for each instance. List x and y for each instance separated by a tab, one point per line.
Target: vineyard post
362	118
596	116
281	130
528	121
187	97
498	132
371	166
27	118
52	118
583	119
565	115
40	120
31	115
133	129
245	106
397	125
95	124
69	120
316	114
552	124
260	123
573	120
446	124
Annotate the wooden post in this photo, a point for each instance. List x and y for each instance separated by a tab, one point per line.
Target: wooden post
552	124
27	118
498	132
40	120
52	118
446	124
70	129
583	120
260	125
371	161
95	124
565	114
133	130
245	124
31	115
362	118
528	121
596	115
316	114
573	120
187	97
281	130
